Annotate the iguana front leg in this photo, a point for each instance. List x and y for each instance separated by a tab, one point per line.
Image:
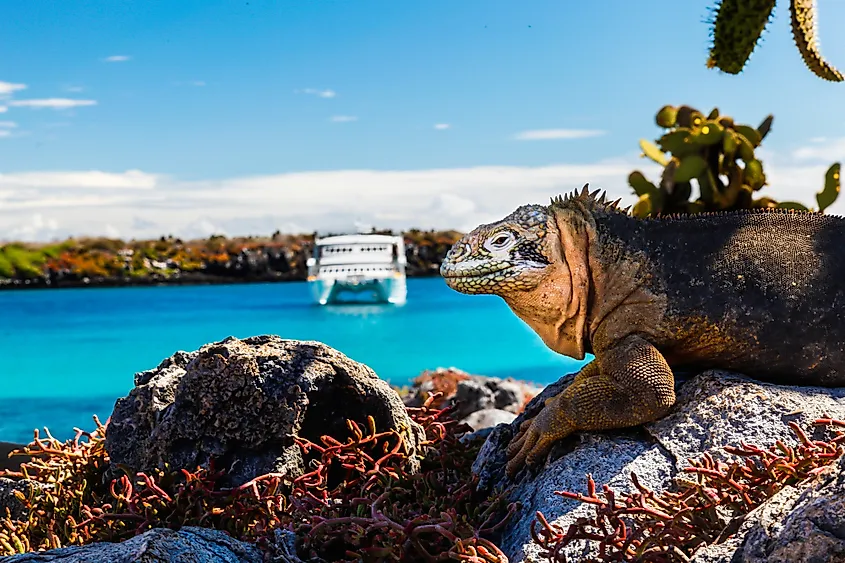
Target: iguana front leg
627	384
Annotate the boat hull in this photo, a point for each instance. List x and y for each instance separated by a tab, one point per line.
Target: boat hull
377	290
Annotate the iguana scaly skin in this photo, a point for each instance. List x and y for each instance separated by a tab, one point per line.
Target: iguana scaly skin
757	292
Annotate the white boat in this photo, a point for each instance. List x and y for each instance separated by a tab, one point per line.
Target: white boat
361	264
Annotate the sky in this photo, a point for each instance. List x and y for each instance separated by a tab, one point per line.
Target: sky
138	119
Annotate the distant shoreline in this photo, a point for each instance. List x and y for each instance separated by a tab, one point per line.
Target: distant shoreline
186	280
169	261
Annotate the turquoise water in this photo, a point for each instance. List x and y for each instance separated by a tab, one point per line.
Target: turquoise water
67	354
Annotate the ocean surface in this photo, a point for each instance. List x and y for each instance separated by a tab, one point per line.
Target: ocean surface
67	354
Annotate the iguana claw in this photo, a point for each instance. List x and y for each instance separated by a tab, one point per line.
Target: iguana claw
536	436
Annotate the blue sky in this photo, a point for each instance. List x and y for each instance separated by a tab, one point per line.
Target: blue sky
192	117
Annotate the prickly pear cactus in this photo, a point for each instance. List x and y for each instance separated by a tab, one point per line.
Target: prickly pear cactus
718	155
738	25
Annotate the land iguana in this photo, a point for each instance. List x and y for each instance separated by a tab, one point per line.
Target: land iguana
760	292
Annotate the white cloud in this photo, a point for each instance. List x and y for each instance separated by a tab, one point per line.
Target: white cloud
74	89
822	149
7	88
546	134
117	59
6	127
4	109
202	228
36	227
53	103
453	205
141	224
198	83
442	126
319	93
93	202
86	202
64	202
343	118
131	179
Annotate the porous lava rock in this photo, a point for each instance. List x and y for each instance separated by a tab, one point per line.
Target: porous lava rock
239	404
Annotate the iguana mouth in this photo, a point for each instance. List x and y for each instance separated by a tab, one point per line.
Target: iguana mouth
459	273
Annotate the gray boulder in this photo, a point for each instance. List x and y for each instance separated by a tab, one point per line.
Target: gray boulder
511	395
240	403
713	410
161	545
487	418
472	393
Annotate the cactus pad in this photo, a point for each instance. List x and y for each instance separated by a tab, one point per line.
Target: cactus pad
719	156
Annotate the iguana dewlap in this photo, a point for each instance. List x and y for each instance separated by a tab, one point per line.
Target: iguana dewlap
757	292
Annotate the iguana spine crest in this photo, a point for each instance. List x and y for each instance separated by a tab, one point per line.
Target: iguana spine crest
597	201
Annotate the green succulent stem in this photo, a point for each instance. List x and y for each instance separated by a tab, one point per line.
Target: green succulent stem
717	154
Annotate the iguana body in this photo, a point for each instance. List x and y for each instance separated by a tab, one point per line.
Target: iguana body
758	292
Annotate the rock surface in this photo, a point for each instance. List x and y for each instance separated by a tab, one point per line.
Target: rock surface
11	463
714	409
241	402
188	545
472	394
488	418
9	501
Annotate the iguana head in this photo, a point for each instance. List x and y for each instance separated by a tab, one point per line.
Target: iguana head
537	260
498	258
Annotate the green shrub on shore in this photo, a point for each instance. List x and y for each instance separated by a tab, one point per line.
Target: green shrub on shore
280	257
22	262
6	268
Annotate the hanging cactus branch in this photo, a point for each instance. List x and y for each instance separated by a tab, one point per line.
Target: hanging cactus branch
736	30
716	154
802	18
739	24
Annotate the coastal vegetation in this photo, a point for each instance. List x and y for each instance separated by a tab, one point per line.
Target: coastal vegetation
359	501
217	259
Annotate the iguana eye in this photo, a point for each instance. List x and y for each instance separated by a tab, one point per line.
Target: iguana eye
500	240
